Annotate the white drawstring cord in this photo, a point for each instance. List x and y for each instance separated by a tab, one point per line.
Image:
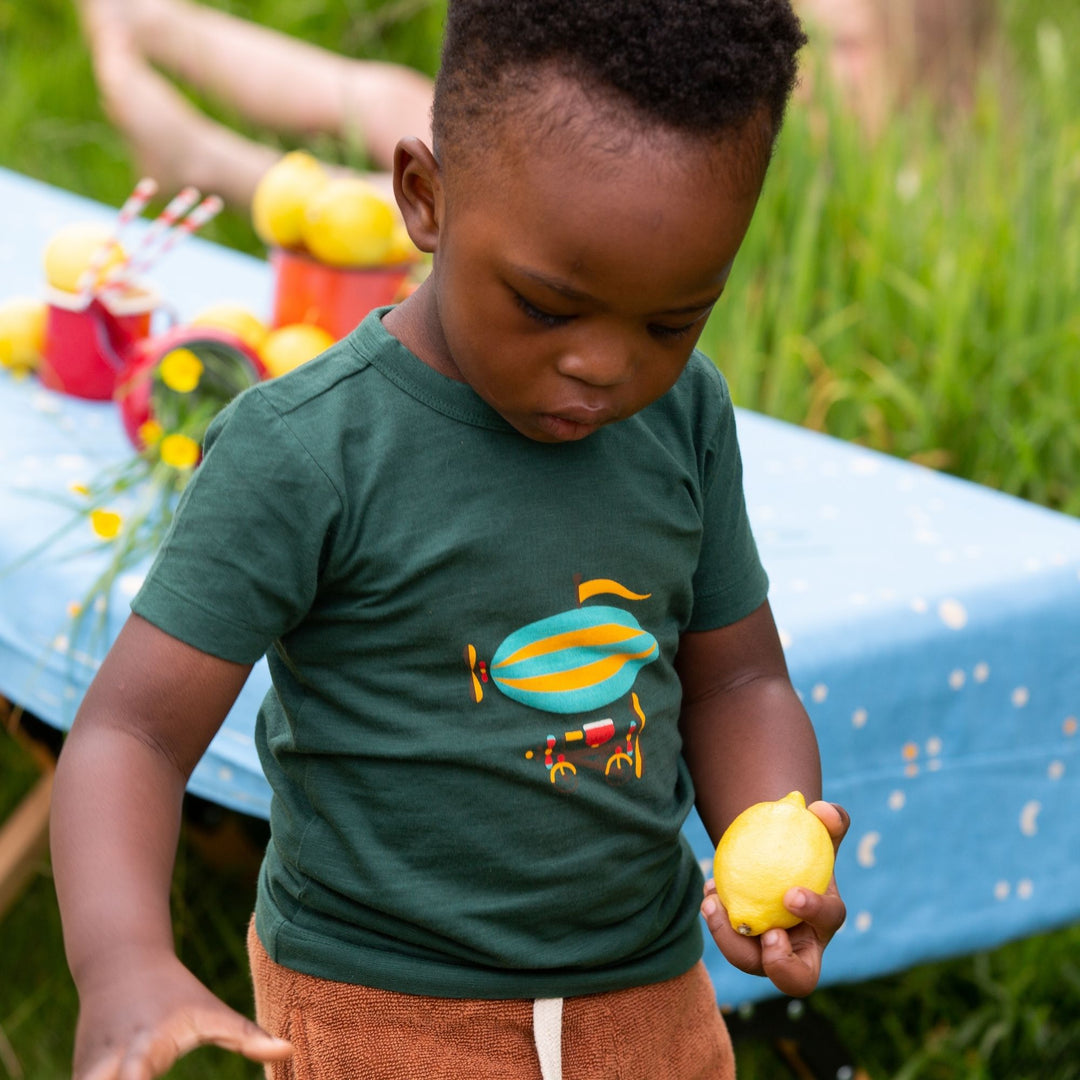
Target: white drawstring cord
547	1033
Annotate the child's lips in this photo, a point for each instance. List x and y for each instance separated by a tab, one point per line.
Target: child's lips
575	423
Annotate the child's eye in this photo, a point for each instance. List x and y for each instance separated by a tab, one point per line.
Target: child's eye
540	316
671	333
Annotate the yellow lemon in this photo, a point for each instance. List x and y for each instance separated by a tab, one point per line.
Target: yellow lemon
70	250
769	848
245	324
348	223
401	248
22	333
281	195
288	347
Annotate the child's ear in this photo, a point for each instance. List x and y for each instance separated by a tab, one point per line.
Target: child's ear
418	190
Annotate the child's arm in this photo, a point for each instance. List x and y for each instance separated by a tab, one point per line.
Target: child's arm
747	738
144	723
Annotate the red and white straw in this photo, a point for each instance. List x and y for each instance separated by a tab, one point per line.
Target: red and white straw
133	206
208	209
174	210
180	218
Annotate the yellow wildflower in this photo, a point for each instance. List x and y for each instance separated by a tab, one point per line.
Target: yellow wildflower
150	432
180	451
106	523
79	489
181	370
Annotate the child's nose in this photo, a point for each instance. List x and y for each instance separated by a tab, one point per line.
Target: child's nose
605	363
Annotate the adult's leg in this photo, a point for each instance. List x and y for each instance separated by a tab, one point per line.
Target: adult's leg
169	138
275	80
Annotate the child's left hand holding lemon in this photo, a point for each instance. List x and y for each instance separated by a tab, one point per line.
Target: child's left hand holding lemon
757	935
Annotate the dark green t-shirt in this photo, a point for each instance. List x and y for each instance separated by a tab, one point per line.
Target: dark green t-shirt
472	733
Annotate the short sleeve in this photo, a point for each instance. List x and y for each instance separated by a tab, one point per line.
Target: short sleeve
730	581
240	564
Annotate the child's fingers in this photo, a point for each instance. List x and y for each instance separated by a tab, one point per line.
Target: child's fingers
741	952
824	912
153	1053
793	971
109	1069
231	1031
834	817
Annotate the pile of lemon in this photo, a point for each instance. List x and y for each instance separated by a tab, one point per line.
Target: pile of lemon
66	258
22	333
280	349
341	221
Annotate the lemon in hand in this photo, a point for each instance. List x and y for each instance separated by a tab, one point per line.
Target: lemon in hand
348	223
22	333
281	196
70	250
769	848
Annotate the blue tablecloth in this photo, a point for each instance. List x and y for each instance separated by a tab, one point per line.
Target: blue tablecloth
932	628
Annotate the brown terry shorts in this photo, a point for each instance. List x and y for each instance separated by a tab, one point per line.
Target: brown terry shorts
667	1031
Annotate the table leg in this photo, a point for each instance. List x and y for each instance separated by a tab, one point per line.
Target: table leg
24	834
24	841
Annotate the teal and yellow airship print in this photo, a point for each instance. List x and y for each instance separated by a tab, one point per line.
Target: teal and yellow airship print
575	662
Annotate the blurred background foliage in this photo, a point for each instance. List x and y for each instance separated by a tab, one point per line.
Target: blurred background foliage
921	297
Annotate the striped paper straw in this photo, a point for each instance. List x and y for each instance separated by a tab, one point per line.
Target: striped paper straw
134	205
162	224
208	209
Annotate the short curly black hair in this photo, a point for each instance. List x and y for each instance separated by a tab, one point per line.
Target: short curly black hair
699	67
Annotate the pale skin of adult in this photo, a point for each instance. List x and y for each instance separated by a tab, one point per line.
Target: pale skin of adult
259	72
563	313
273	80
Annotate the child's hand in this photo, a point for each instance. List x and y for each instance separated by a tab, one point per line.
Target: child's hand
790	958
137	1019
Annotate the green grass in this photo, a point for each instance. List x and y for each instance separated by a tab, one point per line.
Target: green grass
923	299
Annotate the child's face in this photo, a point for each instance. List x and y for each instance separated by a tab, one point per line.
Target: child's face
571	281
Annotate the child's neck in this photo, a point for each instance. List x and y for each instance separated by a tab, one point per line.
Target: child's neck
416	325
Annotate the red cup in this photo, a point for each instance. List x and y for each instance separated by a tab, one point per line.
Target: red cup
335	298
135	387
86	344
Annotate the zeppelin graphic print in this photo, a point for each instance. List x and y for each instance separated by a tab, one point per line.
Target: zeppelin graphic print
576	662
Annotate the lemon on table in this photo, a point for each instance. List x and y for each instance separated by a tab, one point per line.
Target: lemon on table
281	196
348	223
769	848
289	346
401	249
22	333
237	319
70	250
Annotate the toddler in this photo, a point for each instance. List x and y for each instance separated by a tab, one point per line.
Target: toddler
495	548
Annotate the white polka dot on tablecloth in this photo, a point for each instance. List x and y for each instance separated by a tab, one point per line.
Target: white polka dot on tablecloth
866	849
1029	818
953	614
